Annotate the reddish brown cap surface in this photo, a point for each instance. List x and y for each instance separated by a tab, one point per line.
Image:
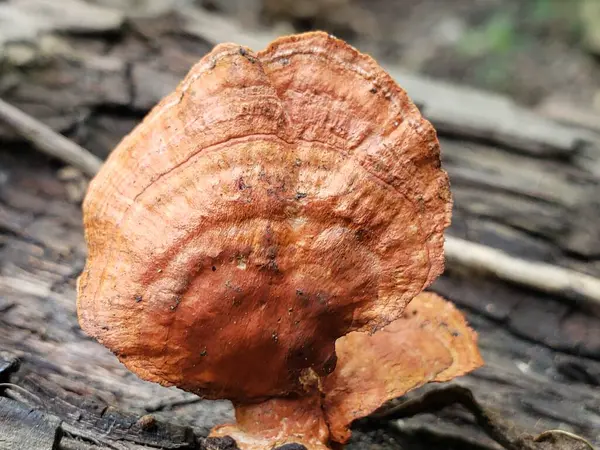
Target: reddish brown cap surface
273	203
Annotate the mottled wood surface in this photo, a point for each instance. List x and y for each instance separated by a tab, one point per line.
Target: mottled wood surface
521	183
26	427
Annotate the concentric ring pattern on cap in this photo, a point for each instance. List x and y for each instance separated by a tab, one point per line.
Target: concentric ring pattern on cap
271	204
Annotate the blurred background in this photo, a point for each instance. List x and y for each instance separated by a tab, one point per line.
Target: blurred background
529	49
513	89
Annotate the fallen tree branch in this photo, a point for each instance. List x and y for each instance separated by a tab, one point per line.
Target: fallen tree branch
459	253
48	141
555	280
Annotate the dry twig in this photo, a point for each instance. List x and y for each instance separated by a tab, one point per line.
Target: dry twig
48	141
543	277
23	391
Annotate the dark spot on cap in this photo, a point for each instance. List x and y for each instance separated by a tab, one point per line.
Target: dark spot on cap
373	90
303	297
329	365
214	268
361	234
300	195
138	298
177	302
241	184
247	55
203	352
271	264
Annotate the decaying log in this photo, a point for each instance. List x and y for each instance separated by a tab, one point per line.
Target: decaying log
63	421
530	191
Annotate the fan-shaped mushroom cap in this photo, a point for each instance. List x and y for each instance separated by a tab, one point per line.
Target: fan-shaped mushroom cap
271	204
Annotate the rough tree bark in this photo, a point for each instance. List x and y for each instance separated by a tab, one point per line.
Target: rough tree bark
521	183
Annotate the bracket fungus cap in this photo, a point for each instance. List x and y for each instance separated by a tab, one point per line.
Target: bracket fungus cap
274	202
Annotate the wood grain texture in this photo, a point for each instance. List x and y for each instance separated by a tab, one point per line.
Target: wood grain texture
542	354
24	427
